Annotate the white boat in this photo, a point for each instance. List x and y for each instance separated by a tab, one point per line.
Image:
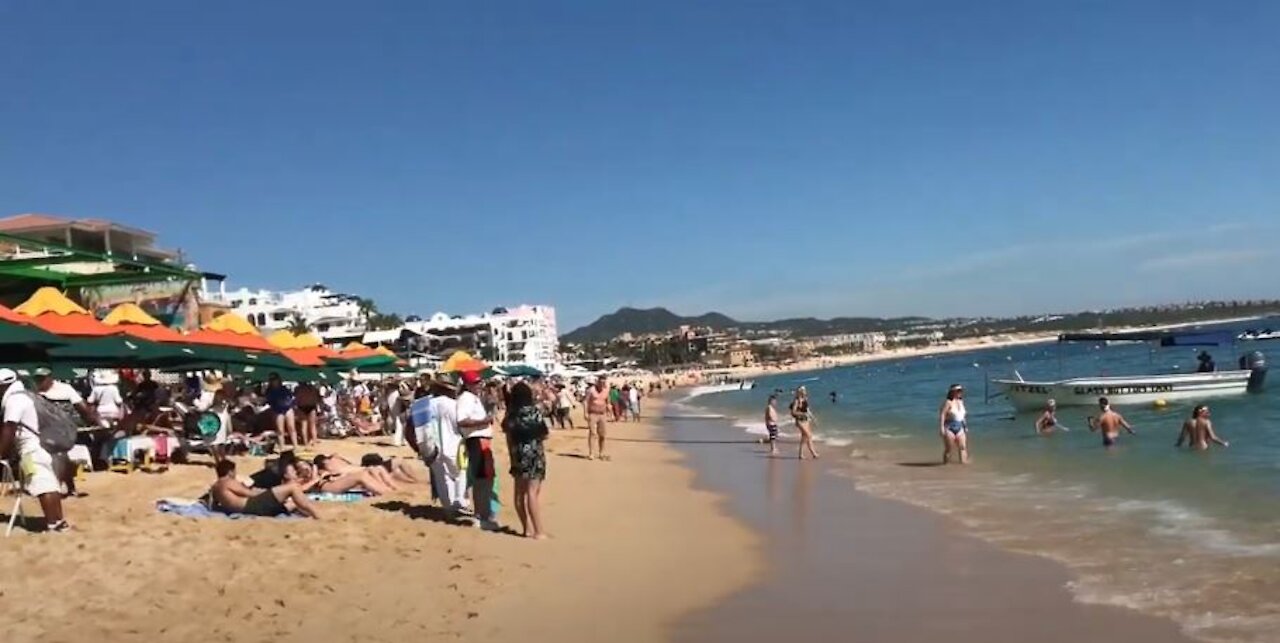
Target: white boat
722	387
1136	389
1258	335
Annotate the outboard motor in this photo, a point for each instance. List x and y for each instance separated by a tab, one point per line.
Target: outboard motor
1256	363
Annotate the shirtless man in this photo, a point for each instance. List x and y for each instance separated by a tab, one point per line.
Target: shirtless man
1109	423
231	496
1197	431
597	405
771	423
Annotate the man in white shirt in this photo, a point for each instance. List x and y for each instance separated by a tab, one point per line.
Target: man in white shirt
448	480
22	425
72	403
477	427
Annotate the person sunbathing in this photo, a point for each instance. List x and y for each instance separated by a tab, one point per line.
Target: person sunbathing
359	479
232	496
400	469
336	464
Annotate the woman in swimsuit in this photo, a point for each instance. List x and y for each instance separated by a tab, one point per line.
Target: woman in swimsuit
804	421
952	425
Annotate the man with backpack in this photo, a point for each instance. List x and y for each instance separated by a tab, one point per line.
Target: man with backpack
36	444
73	405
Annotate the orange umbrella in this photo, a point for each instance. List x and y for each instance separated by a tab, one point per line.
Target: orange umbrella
230	329
7	314
52	311
133	320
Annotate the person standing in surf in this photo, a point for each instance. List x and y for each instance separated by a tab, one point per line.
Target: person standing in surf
953	425
1048	422
1109	423
803	416
771	423
1197	431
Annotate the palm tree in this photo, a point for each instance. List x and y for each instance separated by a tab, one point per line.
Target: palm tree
298	325
367	309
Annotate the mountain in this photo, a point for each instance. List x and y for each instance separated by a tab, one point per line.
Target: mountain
643	321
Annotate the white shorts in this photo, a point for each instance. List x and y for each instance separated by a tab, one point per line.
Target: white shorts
37	473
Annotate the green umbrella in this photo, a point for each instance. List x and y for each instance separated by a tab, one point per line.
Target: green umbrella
118	350
362	363
13	334
521	370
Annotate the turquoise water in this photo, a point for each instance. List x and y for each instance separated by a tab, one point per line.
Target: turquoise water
1190	535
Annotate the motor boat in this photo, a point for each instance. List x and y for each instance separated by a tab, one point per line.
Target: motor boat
1140	389
1252	335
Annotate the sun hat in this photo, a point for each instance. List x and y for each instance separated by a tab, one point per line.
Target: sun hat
8	376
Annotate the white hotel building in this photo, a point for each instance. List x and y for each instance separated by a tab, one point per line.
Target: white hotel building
519	335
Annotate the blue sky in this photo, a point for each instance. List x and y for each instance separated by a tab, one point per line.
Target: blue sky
764	159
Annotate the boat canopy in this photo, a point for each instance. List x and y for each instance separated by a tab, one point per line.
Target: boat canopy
1165	337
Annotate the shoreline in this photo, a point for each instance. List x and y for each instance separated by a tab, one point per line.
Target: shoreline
390	568
846	564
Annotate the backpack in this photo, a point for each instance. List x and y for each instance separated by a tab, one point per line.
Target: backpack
57	427
420	416
525	424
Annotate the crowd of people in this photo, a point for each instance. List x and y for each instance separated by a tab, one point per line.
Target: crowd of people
450	422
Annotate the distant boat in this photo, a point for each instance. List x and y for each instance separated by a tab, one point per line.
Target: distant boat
1258	335
722	387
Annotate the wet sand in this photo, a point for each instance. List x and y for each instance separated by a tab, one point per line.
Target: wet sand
634	548
846	566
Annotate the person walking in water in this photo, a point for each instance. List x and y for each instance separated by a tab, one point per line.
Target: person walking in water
953	425
803	416
1197	431
1048	422
1109	423
771	423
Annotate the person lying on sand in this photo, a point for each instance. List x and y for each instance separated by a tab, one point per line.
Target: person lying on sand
231	496
401	470
337	465
357	480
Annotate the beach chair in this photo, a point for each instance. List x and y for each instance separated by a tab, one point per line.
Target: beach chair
9	484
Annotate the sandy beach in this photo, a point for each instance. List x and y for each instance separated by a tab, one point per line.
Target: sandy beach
633	549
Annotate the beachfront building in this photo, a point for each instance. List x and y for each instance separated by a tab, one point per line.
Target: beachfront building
334	317
852	342
525	334
99	264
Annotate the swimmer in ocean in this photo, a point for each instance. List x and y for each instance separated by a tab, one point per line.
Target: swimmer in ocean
1048	422
1197	431
1109	423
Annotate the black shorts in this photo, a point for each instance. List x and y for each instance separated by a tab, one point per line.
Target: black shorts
265	504
306	409
773	432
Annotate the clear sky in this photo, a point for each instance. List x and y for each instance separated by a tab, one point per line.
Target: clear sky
763	159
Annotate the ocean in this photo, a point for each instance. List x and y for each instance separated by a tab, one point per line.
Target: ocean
1192	536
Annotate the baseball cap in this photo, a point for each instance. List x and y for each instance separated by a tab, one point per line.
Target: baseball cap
471	377
42	372
8	376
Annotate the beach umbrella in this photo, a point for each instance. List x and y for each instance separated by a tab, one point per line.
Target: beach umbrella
521	370
461	362
54	312
16	329
119	350
230	329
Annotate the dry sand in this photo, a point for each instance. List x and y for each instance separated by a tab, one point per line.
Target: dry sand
633	549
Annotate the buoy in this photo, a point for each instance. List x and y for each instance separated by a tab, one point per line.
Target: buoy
1160	404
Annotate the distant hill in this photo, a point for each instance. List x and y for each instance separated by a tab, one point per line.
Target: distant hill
643	321
660	320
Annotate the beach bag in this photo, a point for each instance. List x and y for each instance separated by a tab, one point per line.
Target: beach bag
57	427
420	416
525	424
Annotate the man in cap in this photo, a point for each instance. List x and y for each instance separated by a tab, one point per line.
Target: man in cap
73	404
21	425
448	480
476	425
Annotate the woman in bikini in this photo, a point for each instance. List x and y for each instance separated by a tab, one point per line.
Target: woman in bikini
359	479
803	416
952	425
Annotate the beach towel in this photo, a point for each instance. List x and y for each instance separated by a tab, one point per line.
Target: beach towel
196	509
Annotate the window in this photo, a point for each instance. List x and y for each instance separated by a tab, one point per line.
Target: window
253	302
322	327
262	319
279	316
